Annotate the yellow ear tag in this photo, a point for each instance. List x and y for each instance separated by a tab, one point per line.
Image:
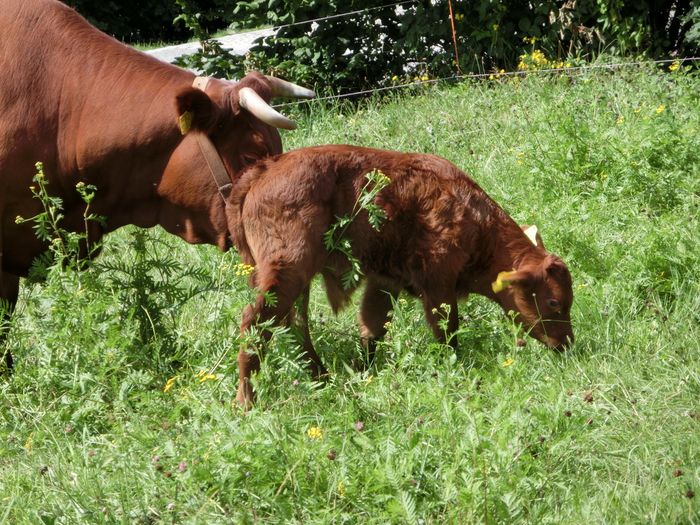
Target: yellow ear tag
501	282
185	122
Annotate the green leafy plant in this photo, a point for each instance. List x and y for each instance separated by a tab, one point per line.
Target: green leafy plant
211	58
153	286
334	239
65	248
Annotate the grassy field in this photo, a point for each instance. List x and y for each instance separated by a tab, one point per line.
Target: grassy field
120	410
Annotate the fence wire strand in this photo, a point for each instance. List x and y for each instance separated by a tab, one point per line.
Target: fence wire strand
492	75
329	17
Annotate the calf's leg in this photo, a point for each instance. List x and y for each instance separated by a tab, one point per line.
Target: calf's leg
9	290
302	323
286	285
377	301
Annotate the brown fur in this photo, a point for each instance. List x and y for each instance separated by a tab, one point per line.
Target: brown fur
443	239
97	111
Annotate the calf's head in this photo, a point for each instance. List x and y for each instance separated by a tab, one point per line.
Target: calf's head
540	294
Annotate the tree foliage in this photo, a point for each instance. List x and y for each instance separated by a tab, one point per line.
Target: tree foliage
149	20
378	45
355	44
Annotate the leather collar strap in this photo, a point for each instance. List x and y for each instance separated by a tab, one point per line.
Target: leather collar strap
211	156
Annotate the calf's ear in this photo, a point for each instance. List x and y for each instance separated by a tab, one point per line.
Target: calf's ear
195	110
533	234
555	267
505	279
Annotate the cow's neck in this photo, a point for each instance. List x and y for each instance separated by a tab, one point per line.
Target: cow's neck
128	150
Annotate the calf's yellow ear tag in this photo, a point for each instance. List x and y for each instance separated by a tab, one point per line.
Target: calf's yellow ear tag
185	122
502	282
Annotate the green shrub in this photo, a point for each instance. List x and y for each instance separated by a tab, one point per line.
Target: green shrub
381	46
148	20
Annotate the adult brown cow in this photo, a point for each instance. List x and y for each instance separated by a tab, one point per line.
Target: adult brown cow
93	110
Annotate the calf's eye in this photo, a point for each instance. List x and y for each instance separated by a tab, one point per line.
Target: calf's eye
553	303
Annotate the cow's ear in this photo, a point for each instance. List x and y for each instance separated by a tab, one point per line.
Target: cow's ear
195	110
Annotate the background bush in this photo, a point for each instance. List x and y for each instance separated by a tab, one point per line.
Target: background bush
382	45
149	20
385	45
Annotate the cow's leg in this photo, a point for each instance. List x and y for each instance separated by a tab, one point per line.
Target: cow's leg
440	305
377	301
9	289
282	286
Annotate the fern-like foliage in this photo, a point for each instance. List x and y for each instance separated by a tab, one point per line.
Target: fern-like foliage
334	239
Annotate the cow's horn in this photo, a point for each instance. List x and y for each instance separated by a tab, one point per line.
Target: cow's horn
251	101
282	88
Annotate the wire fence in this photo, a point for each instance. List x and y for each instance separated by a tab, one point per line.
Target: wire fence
459	76
493	76
347	13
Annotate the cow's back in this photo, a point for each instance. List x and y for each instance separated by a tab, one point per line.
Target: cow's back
68	91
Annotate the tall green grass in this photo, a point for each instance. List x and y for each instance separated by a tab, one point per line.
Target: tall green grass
606	164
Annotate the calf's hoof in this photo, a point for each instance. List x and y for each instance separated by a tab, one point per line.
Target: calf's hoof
318	372
245	397
9	364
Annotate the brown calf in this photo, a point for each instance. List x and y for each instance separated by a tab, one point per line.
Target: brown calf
442	239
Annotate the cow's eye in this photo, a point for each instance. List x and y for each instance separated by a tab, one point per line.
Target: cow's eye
553	304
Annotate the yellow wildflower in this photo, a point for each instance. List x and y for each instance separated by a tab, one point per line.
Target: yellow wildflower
242	269
169	383
507	362
204	376
495	27
675	66
425	78
30	442
394	78
620	120
660	109
315	433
